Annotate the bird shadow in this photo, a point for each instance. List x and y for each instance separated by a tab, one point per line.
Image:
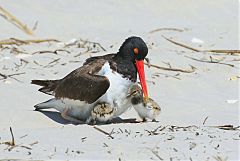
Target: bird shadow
56	117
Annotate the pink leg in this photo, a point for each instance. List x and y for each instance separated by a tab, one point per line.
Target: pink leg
66	116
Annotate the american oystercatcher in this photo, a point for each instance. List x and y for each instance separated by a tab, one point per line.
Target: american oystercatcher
146	109
102	80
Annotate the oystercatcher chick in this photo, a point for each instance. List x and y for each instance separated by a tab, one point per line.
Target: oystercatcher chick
146	109
100	80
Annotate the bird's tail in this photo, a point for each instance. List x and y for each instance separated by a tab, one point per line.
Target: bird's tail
48	86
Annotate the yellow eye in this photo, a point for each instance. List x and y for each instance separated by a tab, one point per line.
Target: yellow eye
135	50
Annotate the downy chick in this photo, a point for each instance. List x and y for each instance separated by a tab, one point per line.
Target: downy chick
148	109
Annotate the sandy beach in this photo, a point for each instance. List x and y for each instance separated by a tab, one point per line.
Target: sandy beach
198	90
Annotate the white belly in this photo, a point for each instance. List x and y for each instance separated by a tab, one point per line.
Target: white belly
78	109
118	90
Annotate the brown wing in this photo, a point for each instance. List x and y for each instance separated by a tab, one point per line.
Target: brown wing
105	57
83	84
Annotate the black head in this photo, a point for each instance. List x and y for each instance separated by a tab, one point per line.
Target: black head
133	48
132	53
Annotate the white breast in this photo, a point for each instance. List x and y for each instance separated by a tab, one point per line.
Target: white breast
118	90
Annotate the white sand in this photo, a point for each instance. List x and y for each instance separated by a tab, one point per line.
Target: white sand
185	101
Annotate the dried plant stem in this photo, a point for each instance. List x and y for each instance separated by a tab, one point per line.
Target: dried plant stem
14	41
223	51
168	75
98	44
205	120
166	29
227	127
102	131
180	44
8	16
210	61
13	140
171	69
53	52
156	154
4	76
198	50
218	158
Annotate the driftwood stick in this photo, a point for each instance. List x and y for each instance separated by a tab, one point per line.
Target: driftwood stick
8	16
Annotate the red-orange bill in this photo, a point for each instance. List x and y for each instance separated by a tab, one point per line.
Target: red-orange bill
141	73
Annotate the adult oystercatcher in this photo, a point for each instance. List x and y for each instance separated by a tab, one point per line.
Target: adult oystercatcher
101	80
146	110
